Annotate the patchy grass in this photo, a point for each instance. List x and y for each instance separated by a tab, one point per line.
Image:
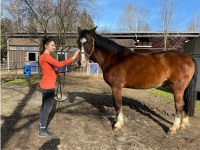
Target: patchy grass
162	92
166	93
22	81
197	108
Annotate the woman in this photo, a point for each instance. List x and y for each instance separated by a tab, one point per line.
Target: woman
47	84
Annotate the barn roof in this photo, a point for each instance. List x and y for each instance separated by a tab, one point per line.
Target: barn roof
112	34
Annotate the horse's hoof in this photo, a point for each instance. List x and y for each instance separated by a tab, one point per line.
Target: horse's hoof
182	128
116	129
171	132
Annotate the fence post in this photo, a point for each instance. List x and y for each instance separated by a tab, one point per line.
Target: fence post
16	71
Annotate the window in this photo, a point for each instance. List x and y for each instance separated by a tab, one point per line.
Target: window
32	56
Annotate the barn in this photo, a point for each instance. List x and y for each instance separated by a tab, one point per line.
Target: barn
24	47
192	48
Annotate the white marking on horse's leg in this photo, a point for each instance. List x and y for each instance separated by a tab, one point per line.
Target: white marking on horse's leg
185	120
176	124
120	121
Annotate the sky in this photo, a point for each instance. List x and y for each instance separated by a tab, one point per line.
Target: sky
110	11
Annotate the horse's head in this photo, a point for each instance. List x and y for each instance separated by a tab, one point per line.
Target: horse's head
86	45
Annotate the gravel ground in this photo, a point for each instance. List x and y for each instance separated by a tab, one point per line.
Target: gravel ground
84	121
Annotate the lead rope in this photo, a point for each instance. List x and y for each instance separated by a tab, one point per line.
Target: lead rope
60	82
59	90
59	85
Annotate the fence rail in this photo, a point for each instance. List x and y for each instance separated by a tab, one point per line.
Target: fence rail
16	69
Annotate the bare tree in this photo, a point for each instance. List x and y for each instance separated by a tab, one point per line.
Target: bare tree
40	13
166	14
194	24
64	21
42	16
134	19
14	10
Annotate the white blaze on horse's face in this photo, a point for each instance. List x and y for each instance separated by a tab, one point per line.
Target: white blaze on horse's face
83	62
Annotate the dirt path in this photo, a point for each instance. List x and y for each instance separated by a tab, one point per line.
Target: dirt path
85	121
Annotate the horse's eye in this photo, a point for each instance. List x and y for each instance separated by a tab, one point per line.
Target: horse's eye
89	42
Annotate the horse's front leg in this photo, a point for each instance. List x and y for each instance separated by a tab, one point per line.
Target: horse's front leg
117	99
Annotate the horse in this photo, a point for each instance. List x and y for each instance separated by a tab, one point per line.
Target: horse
123	68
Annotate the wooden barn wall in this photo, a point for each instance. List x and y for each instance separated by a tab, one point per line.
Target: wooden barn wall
17	57
71	42
125	42
24	41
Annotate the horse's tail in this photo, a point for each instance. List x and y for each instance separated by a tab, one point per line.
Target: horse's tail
190	94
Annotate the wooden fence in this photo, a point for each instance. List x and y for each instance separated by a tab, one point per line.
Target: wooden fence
12	69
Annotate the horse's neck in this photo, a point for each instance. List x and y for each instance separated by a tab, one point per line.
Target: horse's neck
104	58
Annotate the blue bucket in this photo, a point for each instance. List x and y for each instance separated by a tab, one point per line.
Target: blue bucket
27	70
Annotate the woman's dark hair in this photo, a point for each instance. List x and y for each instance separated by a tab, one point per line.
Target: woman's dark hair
44	42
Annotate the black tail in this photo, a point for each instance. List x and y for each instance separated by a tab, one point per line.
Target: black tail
190	94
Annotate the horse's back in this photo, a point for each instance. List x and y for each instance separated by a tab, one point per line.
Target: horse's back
176	61
180	66
153	69
172	59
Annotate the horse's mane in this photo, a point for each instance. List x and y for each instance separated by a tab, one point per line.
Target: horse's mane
109	45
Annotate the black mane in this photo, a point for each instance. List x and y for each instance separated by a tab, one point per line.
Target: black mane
109	45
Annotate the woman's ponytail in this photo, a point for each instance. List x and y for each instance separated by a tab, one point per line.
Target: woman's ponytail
43	42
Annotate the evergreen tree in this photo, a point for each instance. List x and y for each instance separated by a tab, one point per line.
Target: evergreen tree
6	26
85	21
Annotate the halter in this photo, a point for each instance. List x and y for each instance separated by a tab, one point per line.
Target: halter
83	40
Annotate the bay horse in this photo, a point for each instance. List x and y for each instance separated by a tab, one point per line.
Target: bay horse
123	68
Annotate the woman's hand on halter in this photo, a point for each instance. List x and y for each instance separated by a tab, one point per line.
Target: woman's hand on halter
76	54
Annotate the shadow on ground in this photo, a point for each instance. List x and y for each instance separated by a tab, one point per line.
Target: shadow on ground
101	100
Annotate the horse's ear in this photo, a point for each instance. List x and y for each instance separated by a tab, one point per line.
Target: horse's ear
92	31
79	30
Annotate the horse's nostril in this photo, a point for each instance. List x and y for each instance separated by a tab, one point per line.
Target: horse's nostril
79	63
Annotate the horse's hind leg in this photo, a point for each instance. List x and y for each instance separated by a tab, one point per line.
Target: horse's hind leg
179	104
184	121
117	99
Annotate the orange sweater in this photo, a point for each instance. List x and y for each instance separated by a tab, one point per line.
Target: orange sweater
47	63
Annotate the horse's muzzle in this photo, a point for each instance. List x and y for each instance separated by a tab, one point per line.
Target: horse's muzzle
79	63
83	64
